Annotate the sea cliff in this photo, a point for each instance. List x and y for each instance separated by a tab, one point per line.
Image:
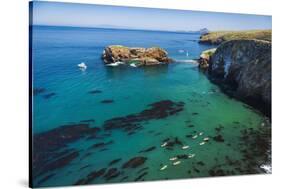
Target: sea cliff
243	69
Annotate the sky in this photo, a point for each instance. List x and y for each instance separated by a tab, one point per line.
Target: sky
89	15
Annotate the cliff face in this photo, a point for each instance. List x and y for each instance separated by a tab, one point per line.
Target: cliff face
204	59
136	56
245	67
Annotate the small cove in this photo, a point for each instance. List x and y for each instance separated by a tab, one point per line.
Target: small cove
68	96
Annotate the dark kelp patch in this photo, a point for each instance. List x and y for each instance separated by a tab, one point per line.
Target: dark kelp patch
143	169
47	146
46	178
107	101
114	161
91	177
101	145
88	121
124	178
134	162
218	138
182	156
219	128
140	177
37	91
95	92
256	148
59	163
158	110
84	167
201	163
111	173
171	142
86	155
49	95
148	149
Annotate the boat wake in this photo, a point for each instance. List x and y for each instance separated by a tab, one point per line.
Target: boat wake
82	66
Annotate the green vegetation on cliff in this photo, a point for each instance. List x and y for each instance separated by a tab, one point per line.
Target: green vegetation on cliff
221	36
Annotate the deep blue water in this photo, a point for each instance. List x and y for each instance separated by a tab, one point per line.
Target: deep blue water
58	50
66	100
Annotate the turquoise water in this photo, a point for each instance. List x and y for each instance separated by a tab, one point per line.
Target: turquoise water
66	100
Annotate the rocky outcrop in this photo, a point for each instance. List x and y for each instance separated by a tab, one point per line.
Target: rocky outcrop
137	56
244	67
204	59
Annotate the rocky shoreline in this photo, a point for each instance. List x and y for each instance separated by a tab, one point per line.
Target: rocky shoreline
242	68
137	56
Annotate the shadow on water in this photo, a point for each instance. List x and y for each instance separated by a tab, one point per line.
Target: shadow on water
156	70
122	71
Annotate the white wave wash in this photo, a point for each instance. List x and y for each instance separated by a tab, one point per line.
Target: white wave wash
267	168
115	64
133	65
187	61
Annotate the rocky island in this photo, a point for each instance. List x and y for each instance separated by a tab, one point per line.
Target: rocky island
242	67
136	56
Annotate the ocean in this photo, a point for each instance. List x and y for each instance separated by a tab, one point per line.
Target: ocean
221	133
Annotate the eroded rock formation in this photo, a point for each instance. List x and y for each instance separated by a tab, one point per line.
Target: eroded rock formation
136	56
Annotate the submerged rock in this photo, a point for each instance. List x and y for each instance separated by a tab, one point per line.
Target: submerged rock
135	56
134	162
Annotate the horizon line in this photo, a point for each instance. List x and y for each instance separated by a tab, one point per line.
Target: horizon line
142	29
